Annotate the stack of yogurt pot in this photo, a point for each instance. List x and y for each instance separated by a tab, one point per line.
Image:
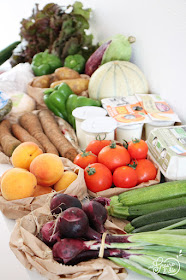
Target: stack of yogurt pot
91	123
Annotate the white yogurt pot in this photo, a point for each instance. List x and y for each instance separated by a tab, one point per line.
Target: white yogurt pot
102	127
129	132
156	124
83	113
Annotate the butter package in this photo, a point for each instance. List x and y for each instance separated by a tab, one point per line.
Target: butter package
167	147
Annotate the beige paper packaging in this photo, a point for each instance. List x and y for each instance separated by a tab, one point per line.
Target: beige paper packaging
37	94
15	209
34	254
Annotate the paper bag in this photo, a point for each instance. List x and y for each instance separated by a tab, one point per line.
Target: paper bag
15	209
33	253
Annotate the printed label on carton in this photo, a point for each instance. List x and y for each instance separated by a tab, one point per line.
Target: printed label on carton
156	108
125	110
139	108
168	147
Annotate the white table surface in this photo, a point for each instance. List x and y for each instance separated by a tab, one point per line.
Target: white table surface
10	267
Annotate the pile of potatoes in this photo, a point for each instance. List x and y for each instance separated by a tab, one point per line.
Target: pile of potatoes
77	82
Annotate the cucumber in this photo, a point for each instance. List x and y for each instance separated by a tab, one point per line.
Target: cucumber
153	193
155	217
159	225
7	52
134	211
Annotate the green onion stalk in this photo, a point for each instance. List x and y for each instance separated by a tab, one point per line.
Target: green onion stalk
153	253
157	254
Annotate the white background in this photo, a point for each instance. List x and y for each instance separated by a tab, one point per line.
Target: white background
160	51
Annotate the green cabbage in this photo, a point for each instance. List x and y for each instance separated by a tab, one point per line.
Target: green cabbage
118	49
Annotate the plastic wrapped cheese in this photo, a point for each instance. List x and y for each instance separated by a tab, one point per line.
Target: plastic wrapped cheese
14	84
22	103
5	105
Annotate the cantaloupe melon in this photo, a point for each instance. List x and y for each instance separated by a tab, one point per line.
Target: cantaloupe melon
117	78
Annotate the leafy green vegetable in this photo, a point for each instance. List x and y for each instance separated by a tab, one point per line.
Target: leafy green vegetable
78	9
60	29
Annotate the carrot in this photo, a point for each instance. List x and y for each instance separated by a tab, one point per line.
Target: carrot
23	135
52	130
31	123
7	140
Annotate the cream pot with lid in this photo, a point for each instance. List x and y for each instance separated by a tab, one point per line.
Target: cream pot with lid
83	113
155	124
129	132
102	127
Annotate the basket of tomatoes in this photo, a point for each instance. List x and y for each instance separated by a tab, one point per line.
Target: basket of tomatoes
111	168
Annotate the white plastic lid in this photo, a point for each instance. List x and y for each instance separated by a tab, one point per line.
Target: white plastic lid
85	112
99	125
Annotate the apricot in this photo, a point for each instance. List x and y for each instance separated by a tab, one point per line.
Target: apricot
48	169
18	183
40	190
23	155
67	178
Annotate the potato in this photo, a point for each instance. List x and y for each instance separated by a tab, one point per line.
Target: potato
77	85
41	81
64	73
53	78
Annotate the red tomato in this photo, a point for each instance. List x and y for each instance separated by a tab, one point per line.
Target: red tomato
97	177
134	162
125	177
114	156
145	170
84	159
138	149
95	146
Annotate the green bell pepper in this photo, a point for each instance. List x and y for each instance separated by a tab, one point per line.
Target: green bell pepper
61	100
44	63
56	99
75	62
75	101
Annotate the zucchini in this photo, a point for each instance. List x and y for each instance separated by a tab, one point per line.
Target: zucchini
7	52
155	217
159	225
120	211
153	193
